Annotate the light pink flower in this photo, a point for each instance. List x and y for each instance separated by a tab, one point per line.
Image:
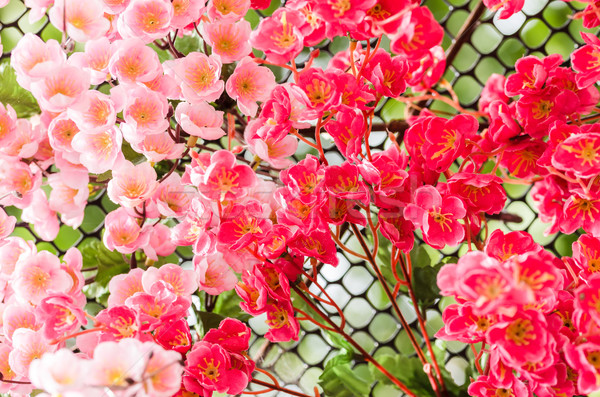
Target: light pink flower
268	147
61	132
132	184
95	58
200	120
37	276
27	346
17	316
11	251
44	220
17	182
115	363
115	6
214	274
123	286
145	113
69	195
93	112
158	147
61	88
229	40
8	123
250	83
162	375
38	9
147	20
7	224
132	62
25	140
198	75
99	151
186	12
160	242
123	233
84	20
33	59
61	314
60	372
172	198
227	10
177	280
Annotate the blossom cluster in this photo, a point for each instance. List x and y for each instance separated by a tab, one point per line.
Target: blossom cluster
253	226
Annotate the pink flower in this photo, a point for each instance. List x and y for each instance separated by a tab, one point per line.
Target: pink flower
115	363
34	59
504	246
133	62
158	147
96	59
531	74
162	375
61	314
145	113
227	10
485	386
25	140
224	179
60	372
269	147
508	7
208	368
99	151
122	286
437	217
343	182
94	112
585	61
44	220
61	88
123	233
172	198
479	192
174	335
250	83
179	281
397	229
16	316
200	119
7	224
232	334
132	184
83	21
387	73
214	274
27	346
278	36
39	275
320	88
160	242
229	40
147	20
16	176
581	211
419	33
243	225
8	124
198	75
186	12
318	244
69	195
61	132
583	358
283	326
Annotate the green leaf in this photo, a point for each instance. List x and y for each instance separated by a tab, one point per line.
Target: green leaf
420	257
424	281
210	320
342	381
131	154
11	93
228	305
187	44
407	370
336	340
109	263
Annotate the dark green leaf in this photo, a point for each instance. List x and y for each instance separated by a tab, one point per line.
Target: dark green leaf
109	263
424	281
228	305
420	257
104	176
13	94
131	154
408	370
210	320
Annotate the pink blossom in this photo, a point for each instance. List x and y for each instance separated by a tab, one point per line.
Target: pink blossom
9	374
115	363
479	192
320	88
96	58
146	20
200	119
158	147
244	225
264	143
8	123
232	334
123	233
419	33
508	7
158	306
250	83
61	132
44	220
208	368
83	21
229	40
25	140
60	314
27	346
227	10
122	286
214	274
34	59
162	375
181	282
16	176
99	151
145	113
16	316
132	62
198	75
318	244
343	182
115	7
69	196
186	12
283	326
38	9
224	179
278	36
61	88
132	184
583	358
38	275
174	335
94	112
59	372
7	224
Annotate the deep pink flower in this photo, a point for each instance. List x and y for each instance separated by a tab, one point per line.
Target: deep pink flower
437	217
419	33
397	229
318	244
279	36
343	182
581	211
531	74
584	358
232	334
479	192
508	7
504	246
348	130
243	225
174	335
585	60
320	88
485	386
224	179
521	159
387	73
283	326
